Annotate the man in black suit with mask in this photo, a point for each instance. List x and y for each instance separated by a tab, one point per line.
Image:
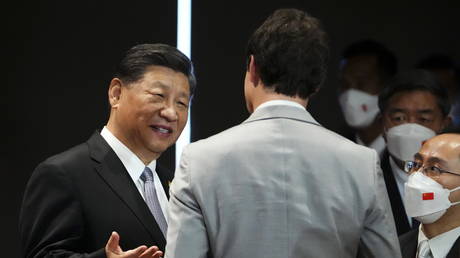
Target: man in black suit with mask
108	194
414	108
432	196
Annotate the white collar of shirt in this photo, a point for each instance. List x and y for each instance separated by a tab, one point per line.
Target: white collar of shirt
401	178
131	162
135	167
280	102
440	245
378	144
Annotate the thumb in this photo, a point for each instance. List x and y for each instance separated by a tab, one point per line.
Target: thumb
113	243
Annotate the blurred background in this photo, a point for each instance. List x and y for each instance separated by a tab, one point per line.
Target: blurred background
60	57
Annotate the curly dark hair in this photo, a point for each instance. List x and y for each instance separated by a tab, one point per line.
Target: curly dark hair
291	52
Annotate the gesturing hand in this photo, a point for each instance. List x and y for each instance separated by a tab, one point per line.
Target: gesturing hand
113	250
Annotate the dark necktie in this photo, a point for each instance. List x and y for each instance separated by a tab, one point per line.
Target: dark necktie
151	199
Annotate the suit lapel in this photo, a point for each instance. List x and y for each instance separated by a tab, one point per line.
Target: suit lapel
455	250
409	243
111	169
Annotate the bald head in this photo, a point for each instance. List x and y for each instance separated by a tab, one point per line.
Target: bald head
445	147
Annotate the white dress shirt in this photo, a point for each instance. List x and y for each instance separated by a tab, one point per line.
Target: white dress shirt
378	144
135	167
440	245
400	178
280	102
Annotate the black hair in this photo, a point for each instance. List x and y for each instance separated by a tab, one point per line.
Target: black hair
137	59
387	63
413	80
437	61
290	52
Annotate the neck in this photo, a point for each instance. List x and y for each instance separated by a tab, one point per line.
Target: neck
145	156
447	222
370	133
265	96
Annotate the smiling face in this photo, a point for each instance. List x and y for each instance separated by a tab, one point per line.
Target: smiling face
149	115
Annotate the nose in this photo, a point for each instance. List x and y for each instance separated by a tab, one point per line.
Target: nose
169	113
411	119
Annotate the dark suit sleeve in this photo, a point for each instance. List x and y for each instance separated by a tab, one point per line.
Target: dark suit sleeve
51	219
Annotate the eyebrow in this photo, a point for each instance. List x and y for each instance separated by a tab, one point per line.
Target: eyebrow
420	111
431	159
168	87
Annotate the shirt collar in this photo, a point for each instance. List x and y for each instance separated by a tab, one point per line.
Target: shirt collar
280	102
132	163
378	144
440	245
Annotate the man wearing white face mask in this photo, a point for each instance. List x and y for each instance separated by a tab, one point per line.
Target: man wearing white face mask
365	67
432	195
414	108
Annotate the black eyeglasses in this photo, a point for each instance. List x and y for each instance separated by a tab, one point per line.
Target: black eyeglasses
431	171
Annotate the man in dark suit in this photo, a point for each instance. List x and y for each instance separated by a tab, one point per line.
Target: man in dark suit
432	197
108	194
414	108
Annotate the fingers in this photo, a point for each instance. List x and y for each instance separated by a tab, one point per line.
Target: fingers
157	254
113	249
113	243
135	252
152	252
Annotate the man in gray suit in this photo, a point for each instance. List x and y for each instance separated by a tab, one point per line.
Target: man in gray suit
279	184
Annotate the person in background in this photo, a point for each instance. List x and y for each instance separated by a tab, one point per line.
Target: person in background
279	184
107	197
432	196
414	108
364	69
448	74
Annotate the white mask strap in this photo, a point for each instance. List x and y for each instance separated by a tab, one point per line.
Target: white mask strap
455	189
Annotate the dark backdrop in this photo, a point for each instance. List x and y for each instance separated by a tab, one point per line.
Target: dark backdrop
61	56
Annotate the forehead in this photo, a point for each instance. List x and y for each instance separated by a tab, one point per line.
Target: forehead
413	101
445	147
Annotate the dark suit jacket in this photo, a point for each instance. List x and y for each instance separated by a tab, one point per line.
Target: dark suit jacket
409	241
74	200
397	205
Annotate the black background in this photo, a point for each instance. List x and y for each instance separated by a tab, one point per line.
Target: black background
60	57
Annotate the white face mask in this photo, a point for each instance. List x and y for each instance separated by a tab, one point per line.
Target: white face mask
425	199
359	107
403	141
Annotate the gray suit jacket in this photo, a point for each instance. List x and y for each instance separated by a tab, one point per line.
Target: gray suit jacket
279	185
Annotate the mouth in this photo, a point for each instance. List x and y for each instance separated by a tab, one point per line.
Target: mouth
165	130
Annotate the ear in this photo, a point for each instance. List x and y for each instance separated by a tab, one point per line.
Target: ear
253	72
115	92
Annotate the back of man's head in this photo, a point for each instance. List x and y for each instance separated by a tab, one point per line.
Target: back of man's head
290	52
